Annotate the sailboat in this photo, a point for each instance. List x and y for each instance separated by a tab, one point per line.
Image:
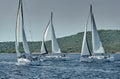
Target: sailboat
56	52
97	47
23	58
98	52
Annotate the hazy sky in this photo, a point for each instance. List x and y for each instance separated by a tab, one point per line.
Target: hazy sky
69	16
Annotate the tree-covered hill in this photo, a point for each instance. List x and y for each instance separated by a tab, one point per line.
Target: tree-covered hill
71	44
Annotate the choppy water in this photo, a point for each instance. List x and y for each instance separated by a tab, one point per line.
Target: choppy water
58	69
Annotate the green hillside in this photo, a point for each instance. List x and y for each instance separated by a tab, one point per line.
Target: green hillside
70	44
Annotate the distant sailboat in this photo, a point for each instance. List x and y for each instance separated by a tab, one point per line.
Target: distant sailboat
54	45
26	57
97	47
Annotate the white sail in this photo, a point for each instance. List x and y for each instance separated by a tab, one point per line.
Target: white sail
20	23
25	44
85	48
55	46
17	31
43	47
96	43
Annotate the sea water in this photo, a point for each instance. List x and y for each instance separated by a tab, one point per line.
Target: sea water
72	69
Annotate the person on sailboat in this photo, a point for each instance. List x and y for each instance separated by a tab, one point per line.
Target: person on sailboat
22	56
63	55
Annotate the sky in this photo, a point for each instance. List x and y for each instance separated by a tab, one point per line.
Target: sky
69	17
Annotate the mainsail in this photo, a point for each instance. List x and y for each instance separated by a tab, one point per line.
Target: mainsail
85	51
96	43
20	23
55	46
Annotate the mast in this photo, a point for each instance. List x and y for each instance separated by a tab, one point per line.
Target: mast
55	46
96	43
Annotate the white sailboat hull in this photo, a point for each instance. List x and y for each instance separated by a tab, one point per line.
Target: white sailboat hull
56	57
98	57
102	58
86	59
25	61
